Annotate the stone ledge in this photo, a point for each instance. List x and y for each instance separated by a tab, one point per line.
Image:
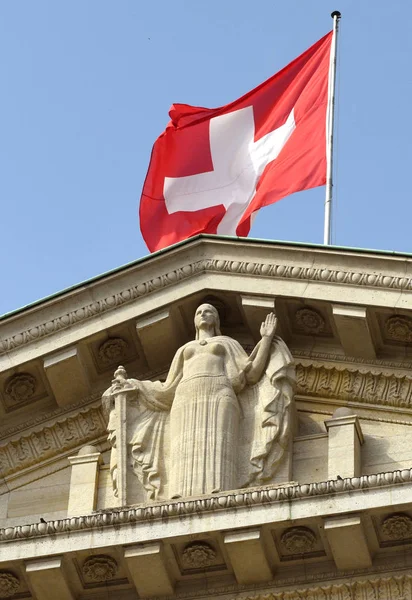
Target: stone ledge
238	499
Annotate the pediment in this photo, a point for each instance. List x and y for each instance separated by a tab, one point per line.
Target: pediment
345	315
345	478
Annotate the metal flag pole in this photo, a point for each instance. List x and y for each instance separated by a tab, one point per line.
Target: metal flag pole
330	114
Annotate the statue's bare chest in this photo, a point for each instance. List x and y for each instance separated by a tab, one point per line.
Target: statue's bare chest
204	349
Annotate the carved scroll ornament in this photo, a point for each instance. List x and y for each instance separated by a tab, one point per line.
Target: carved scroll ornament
224	415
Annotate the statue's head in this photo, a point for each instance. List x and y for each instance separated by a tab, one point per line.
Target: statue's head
206	316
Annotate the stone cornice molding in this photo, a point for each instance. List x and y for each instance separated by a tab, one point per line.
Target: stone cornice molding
329	413
61	413
98	307
392	587
313	356
246	498
287	267
354	385
393	584
56	439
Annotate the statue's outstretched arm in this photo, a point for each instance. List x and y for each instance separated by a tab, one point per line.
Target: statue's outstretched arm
259	357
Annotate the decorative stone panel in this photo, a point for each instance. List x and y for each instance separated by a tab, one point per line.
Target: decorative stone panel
399	329
295	543
298	540
354	385
36	446
198	555
21	389
9	584
99	568
309	321
109	353
112	351
397	527
397	587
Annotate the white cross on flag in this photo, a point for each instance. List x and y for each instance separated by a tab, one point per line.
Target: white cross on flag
211	169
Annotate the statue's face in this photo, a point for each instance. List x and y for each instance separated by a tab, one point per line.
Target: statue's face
205	317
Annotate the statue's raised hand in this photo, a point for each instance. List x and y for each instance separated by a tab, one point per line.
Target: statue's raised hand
268	327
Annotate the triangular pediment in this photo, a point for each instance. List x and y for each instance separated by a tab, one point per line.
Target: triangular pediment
346	318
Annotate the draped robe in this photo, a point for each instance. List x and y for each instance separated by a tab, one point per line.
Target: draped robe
214	422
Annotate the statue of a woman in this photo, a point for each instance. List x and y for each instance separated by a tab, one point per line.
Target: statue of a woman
226	414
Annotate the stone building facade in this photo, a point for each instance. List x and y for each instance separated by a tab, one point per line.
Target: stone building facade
320	459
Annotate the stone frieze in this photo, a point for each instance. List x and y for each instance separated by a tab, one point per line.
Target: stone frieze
398	587
354	385
35	447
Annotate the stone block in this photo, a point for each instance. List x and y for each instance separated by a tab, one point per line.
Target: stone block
344	442
353	329
347	541
84	481
48	579
148	568
255	309
248	556
66	376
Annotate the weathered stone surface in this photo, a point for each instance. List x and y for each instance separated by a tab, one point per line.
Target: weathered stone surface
211	384
301	534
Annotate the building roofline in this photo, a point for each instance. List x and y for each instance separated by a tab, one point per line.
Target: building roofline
191	240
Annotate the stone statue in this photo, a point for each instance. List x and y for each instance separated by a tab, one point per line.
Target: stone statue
220	421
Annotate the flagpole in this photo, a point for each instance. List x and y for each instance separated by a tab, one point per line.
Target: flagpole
330	114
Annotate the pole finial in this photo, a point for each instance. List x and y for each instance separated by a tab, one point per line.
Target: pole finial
336	14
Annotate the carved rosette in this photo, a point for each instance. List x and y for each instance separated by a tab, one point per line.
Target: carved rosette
399	329
100	568
309	321
198	555
298	540
9	584
112	351
397	526
20	387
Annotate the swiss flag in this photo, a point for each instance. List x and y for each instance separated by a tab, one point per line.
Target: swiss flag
211	169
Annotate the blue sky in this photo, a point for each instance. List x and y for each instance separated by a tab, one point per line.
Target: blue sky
86	86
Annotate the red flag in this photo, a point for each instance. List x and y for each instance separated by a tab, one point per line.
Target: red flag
211	169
